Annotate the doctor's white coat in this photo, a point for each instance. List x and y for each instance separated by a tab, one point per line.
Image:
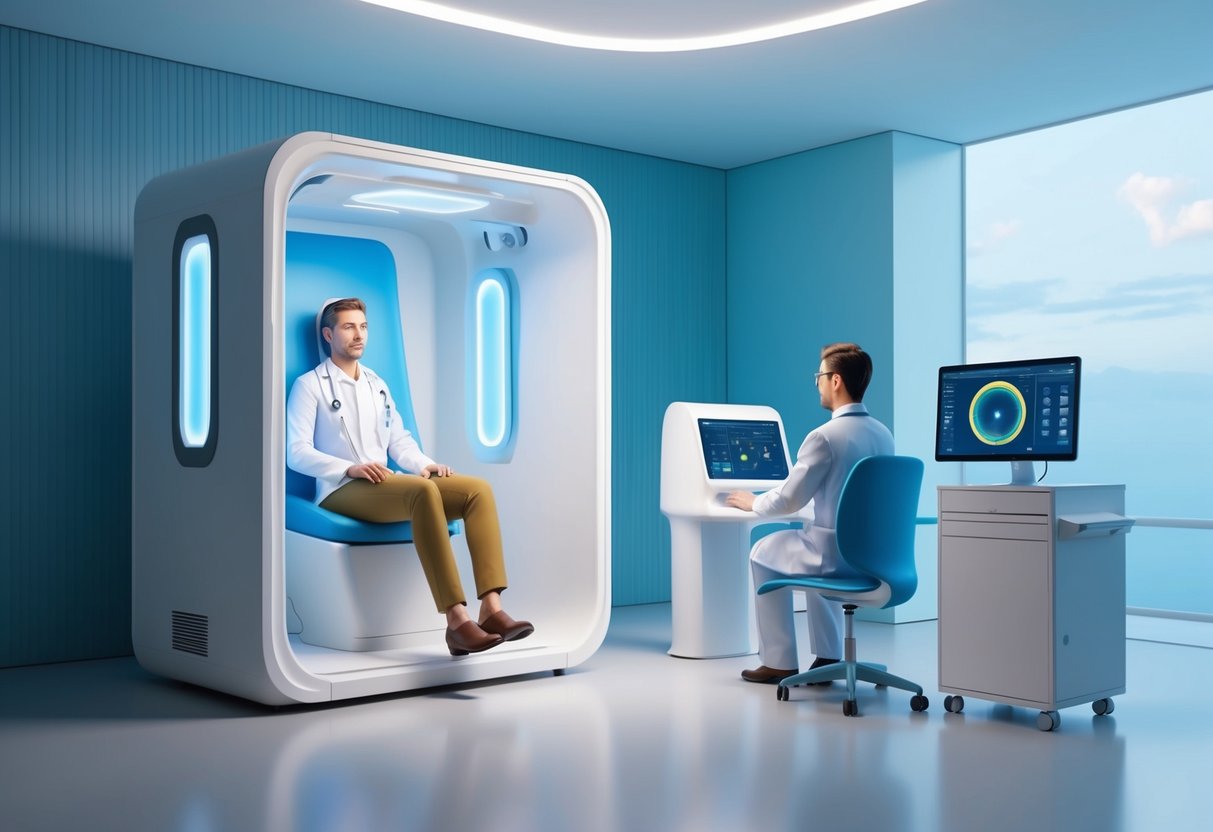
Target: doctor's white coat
823	462
323	441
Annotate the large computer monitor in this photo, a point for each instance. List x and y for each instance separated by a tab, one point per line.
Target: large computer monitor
1017	411
743	449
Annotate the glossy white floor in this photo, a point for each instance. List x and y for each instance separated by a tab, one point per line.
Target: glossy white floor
632	740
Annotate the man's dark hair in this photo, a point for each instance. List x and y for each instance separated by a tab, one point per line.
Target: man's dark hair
850	362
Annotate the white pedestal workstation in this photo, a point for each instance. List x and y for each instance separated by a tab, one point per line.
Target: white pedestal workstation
708	450
1032	596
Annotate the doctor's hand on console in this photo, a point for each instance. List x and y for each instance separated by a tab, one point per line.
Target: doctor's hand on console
743	500
343	426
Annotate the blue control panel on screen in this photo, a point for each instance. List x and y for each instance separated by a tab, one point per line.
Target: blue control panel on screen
743	449
1010	410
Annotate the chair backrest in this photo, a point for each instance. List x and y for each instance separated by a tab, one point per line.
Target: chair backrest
876	521
322	266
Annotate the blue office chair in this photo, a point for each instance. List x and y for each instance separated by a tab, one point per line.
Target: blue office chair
875	527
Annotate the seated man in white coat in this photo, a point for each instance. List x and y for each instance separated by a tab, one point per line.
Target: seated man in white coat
342	425
822	464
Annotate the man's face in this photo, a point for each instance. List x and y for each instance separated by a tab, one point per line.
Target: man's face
825	386
347	336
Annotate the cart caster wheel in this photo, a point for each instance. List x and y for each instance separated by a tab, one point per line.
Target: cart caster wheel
1103	707
919	703
850	707
953	704
781	694
1048	721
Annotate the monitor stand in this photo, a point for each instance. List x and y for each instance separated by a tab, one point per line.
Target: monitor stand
1023	472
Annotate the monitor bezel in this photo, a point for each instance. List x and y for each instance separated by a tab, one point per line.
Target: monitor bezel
995	456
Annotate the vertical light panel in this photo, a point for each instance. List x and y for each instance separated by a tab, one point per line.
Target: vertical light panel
195	342
491	398
195	276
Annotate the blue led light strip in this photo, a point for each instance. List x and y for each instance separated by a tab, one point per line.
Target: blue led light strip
492	363
195	345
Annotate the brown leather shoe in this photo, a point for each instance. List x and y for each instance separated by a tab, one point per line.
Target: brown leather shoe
469	638
766	675
506	627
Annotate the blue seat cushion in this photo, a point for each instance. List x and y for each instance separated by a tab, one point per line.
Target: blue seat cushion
859	583
305	517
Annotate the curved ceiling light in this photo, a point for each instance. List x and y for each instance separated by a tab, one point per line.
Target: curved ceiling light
501	25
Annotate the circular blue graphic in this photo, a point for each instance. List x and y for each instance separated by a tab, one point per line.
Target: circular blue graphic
997	413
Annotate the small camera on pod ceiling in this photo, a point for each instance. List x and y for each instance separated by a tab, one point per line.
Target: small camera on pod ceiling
506	237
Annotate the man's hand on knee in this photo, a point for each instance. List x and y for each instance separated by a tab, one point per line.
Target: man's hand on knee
436	470
372	471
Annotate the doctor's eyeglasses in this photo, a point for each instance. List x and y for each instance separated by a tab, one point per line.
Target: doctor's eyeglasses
817	376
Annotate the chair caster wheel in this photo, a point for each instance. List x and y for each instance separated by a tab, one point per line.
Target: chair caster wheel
953	704
781	694
1048	721
919	703
850	707
558	671
1103	707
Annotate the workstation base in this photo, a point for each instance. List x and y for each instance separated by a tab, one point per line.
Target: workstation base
1032	596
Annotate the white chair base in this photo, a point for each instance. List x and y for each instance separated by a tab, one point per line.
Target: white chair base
358	597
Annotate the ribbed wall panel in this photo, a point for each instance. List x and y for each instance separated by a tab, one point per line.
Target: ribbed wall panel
84	128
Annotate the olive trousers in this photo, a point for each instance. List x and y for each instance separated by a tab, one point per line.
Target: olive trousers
430	504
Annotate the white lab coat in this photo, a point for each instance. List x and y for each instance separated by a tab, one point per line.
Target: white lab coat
317	443
813	487
825	458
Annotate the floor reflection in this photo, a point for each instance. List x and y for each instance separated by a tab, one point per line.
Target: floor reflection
631	740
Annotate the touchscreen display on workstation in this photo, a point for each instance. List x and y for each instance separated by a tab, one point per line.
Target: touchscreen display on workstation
743	449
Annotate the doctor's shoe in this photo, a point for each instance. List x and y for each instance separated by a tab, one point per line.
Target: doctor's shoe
820	662
506	627
469	638
765	675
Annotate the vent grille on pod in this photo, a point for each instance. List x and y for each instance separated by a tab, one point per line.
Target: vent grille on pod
191	633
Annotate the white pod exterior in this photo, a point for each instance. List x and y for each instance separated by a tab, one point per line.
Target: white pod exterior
217	335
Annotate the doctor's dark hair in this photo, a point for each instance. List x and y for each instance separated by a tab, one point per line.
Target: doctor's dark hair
328	316
850	362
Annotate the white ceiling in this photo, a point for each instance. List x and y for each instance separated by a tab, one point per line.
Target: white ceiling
958	70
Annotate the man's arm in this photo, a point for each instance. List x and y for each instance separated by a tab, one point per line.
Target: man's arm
403	448
813	462
301	452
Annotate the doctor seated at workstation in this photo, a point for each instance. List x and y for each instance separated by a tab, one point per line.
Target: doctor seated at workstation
823	462
343	425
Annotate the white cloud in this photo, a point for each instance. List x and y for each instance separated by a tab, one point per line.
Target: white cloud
1153	196
995	233
1195	218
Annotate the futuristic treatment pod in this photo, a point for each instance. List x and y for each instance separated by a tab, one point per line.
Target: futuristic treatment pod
488	294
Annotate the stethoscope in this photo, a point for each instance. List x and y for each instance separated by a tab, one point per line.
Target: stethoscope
335	403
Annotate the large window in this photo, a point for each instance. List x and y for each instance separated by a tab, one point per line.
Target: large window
1096	239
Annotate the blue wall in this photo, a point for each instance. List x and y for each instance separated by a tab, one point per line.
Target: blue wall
859	241
83	128
810	262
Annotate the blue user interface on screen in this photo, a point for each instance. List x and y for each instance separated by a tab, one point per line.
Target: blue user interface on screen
743	449
1009	410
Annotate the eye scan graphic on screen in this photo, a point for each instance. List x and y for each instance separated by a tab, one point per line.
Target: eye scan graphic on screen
1011	410
742	449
